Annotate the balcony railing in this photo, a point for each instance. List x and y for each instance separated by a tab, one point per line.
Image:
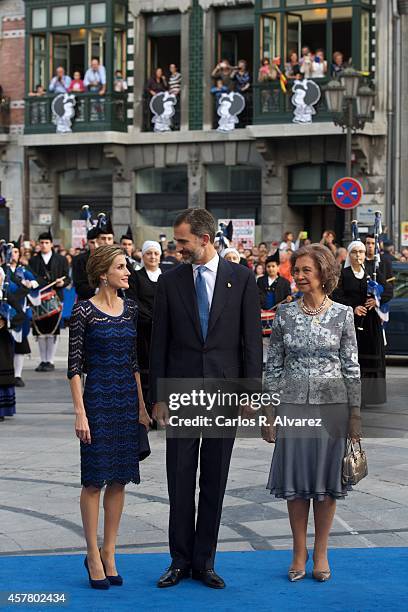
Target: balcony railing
93	113
4	115
272	105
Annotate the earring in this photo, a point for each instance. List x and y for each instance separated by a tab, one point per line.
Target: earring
105	282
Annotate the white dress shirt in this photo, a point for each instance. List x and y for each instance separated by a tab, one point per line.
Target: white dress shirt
46	257
209	274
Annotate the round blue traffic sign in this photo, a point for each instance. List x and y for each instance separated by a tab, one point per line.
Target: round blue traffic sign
347	193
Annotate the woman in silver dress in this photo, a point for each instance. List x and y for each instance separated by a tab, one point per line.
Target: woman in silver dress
313	364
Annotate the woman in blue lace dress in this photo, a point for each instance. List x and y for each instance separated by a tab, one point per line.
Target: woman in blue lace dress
312	364
102	344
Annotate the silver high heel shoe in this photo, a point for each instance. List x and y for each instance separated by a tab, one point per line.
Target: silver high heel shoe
322	576
296	575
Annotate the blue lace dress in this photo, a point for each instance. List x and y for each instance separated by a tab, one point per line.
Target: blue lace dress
104	347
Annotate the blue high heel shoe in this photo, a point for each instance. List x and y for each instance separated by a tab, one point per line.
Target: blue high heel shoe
113	580
96	584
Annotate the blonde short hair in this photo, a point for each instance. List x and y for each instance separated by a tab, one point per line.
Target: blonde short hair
99	263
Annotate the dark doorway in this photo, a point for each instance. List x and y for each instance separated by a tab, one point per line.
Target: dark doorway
163	51
236	45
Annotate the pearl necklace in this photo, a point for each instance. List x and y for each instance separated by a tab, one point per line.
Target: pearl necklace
310	311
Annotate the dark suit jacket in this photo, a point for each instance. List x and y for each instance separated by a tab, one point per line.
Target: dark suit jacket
233	347
80	277
281	289
58	268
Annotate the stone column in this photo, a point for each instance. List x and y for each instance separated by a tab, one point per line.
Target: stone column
122	201
196	178
184	70
43	195
208	66
139	63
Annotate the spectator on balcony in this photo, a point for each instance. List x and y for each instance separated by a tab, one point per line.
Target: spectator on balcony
95	77
292	67
218	89
223	70
319	65
306	51
337	65
119	83
174	80
77	84
156	83
61	82
242	78
267	71
307	65
39	91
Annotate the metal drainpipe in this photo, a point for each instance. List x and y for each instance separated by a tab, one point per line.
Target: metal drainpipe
395	219
389	195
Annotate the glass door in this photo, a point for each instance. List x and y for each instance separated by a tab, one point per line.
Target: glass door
293	35
61	54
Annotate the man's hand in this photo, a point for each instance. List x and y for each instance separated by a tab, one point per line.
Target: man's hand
160	414
370	303
59	282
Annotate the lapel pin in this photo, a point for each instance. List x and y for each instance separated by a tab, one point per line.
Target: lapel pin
229	285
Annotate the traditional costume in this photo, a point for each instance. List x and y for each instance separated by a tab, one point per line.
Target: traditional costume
353	290
12	317
47	318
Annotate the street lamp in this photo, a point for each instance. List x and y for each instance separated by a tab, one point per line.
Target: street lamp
351	107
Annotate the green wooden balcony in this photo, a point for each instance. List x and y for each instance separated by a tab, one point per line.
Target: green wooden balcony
93	113
272	105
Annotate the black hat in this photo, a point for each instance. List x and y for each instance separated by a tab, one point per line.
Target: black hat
104	225
227	230
92	234
128	235
274	257
171	246
46	235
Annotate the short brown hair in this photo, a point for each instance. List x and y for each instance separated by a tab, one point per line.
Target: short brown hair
325	261
99	263
200	220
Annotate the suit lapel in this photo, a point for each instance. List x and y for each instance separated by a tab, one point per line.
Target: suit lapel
188	295
223	284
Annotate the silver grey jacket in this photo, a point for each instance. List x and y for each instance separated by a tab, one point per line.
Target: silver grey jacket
314	359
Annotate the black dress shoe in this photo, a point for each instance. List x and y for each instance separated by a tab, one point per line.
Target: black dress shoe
41	367
49	367
19	382
209	578
172	577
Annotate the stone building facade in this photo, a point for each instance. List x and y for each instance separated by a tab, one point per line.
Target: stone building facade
275	170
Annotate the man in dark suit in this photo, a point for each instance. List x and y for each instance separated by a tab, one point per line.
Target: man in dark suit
206	325
48	267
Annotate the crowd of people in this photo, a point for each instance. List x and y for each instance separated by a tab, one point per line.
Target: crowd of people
192	309
93	81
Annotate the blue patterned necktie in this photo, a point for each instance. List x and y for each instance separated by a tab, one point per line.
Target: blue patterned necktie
202	300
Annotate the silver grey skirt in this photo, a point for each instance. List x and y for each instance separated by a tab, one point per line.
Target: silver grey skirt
309	450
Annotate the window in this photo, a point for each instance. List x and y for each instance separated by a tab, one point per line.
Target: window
159	180
86	183
120	14
77	14
233	178
98	12
38	55
60	16
39	18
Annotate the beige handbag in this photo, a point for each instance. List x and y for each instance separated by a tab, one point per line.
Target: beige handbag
354	464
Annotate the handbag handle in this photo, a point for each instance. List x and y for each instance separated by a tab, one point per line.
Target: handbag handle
350	445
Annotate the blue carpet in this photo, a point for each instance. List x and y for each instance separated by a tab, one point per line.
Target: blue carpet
364	579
